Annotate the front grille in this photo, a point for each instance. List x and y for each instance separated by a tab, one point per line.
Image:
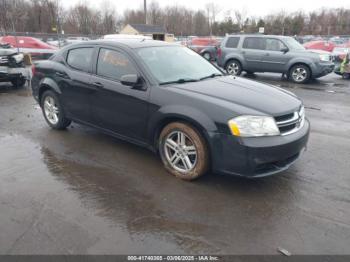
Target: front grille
4	60
291	123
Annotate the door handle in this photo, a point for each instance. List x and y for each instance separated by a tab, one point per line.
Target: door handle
97	84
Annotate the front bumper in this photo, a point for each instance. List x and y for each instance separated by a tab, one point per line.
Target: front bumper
257	157
322	69
8	73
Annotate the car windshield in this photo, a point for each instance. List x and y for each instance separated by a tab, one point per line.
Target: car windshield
177	64
293	44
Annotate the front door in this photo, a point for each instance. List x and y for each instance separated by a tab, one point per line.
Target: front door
117	107
276	56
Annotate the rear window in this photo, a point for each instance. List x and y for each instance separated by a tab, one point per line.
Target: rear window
254	43
232	42
80	58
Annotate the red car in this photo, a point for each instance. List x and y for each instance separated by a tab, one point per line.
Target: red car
25	44
320	45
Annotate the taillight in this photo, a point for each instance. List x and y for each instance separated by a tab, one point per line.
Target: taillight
33	69
219	52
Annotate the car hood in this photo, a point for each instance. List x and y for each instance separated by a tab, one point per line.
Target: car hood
317	51
6	52
266	99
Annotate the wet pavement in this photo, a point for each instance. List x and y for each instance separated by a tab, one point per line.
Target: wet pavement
82	192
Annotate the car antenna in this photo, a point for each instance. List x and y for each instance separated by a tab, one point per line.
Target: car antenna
143	39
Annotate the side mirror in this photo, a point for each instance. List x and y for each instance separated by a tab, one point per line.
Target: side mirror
284	50
132	80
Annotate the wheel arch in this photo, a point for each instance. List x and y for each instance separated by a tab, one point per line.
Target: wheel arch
300	63
201	122
48	84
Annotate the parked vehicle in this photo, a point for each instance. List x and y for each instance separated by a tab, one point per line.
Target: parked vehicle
76	39
339	53
37	48
320	45
205	46
269	53
343	68
209	53
57	42
12	67
125	36
171	100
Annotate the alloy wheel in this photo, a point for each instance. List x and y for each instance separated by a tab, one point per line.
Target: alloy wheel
233	68
180	151
51	110
299	74
207	56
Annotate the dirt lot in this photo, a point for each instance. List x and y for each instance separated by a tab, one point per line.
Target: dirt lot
82	192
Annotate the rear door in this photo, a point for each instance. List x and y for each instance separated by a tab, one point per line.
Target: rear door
74	81
116	107
253	50
275	58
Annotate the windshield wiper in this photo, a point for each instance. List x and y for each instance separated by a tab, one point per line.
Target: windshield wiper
180	81
211	76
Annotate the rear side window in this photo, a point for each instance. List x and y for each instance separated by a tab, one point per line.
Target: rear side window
232	42
258	43
113	64
80	58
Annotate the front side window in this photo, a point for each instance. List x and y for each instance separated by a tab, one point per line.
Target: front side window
232	42
114	65
173	63
80	58
258	43
274	44
293	44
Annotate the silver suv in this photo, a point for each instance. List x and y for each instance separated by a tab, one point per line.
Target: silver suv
271	53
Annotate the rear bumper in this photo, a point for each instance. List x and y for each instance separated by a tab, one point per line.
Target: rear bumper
257	157
322	69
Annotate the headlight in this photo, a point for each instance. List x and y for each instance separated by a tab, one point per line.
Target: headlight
18	58
325	58
253	126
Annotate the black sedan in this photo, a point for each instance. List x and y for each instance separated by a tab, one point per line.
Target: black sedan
171	100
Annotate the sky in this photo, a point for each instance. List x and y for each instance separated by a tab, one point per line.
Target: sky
251	7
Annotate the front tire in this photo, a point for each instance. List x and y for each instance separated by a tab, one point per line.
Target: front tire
53	111
300	74
18	82
233	67
183	151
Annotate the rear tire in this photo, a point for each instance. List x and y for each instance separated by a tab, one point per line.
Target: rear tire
53	111
183	151
233	67
300	74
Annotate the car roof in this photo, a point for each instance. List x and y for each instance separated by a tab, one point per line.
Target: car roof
129	43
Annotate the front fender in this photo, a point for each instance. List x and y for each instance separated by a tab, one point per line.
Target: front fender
179	112
299	60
